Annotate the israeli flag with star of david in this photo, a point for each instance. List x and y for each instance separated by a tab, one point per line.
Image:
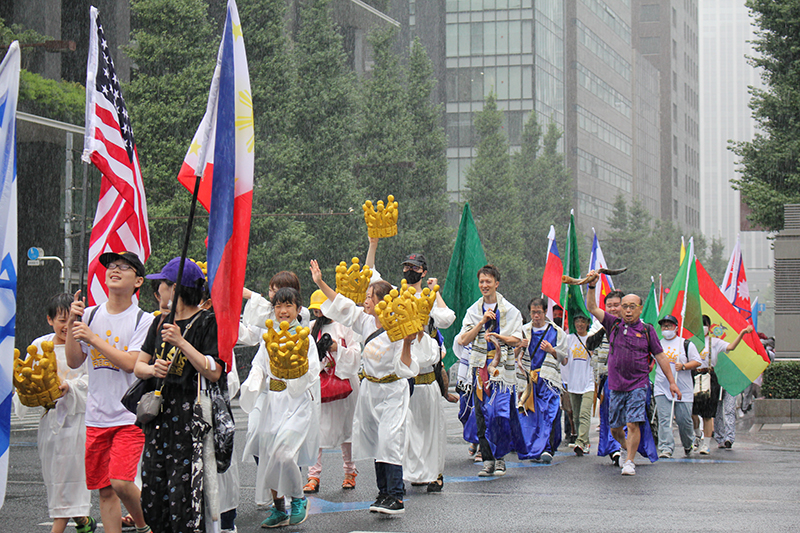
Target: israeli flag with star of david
9	89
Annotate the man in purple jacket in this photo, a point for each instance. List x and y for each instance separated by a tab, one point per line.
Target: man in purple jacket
631	344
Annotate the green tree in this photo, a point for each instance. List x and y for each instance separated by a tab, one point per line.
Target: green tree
770	163
56	99
494	200
426	204
173	46
385	148
544	187
322	130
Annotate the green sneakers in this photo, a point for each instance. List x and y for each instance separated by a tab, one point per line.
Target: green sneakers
299	511
276	518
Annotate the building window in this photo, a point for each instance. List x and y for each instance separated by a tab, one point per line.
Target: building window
674	49
674	83
650	13
675	144
674	177
674	209
674	114
649	45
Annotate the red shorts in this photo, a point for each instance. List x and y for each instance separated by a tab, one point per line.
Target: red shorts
112	453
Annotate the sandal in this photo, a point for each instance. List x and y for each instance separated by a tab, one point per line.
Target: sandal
127	522
312	486
349	481
436	486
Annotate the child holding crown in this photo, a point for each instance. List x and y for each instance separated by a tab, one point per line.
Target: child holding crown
62	431
379	422
283	427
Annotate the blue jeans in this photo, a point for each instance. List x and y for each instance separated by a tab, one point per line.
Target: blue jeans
390	479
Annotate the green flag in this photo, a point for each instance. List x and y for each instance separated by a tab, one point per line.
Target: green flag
650	309
461	286
683	302
650	316
571	297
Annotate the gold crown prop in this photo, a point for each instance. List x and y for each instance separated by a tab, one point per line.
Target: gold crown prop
353	282
398	313
288	353
203	266
36	378
381	221
425	303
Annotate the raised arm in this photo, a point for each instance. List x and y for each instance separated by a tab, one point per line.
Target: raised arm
316	275
732	346
373	248
591	304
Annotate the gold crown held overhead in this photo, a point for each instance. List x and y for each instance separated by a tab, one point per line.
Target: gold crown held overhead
398	313
353	282
381	221
288	352
36	378
425	303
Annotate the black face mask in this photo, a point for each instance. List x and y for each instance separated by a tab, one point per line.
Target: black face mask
412	277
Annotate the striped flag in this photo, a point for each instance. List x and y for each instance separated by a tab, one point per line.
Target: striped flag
734	284
737	369
553	269
120	223
9	89
222	153
605	285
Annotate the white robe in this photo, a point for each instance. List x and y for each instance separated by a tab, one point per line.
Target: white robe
229	480
283	426
426	426
379	421
62	440
510	326
336	417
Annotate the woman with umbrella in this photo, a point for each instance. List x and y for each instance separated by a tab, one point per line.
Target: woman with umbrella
183	355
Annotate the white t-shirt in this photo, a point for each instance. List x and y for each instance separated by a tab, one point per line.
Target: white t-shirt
581	377
674	350
107	382
717	346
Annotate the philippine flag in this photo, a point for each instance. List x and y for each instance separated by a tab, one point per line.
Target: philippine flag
596	261
222	153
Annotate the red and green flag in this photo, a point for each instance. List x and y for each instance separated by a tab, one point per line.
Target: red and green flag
737	369
461	286
683	302
650	316
571	297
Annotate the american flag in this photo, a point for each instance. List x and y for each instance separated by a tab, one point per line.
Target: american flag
120	223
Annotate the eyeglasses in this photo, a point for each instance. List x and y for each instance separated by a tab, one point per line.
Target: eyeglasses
122	267
415	268
629	307
536	312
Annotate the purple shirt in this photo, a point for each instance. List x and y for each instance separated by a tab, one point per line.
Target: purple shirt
629	353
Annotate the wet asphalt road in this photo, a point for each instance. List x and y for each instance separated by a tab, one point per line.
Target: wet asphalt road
755	486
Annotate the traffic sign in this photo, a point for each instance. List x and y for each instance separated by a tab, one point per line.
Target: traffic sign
35	253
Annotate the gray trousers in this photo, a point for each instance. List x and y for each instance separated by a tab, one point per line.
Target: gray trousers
725	421
683	414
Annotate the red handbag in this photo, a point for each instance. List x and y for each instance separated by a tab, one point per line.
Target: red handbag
333	388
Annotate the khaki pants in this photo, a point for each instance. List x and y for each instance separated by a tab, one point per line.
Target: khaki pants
582	415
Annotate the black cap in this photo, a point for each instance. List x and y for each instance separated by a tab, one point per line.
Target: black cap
416	260
130	257
668	318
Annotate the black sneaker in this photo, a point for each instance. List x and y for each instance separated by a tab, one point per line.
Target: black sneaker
391	505
615	458
728	444
578	450
375	507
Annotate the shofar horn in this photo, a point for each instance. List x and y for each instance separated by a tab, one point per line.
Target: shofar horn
608	271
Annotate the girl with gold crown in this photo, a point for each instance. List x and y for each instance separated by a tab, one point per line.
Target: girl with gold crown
281	395
62	431
379	423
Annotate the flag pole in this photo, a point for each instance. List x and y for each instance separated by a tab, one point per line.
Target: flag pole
689	257
171	318
83	256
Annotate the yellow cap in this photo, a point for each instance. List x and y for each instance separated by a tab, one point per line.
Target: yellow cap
317	299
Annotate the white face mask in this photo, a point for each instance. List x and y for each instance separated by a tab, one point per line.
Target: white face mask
705	331
669	334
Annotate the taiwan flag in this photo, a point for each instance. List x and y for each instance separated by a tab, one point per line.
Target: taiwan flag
222	153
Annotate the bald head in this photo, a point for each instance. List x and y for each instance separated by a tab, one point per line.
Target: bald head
631	308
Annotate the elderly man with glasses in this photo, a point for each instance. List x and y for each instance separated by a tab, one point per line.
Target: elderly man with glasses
632	344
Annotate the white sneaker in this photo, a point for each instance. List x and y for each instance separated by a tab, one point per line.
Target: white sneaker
665	455
704	450
629	469
546	457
